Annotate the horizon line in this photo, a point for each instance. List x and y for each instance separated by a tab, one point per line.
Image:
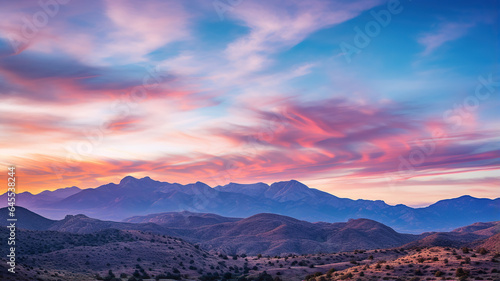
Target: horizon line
138	178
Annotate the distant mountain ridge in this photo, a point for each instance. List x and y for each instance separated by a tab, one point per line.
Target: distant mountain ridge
133	197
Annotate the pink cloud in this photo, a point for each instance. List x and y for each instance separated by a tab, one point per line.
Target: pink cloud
277	25
446	33
333	139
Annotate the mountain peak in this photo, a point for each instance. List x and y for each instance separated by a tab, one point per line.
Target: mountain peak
132	182
61	192
27	219
294	184
288	191
127	179
366	224
459	201
79	216
252	189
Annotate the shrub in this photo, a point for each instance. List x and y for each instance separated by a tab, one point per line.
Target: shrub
461	272
482	251
346	276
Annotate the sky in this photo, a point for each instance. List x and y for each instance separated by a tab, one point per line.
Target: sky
390	100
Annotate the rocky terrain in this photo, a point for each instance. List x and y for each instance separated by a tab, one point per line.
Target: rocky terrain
435	263
131	255
200	246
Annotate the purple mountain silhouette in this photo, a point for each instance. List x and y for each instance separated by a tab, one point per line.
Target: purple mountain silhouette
133	197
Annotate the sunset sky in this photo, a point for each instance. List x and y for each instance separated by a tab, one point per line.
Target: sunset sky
404	109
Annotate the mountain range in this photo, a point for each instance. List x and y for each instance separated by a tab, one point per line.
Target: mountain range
136	197
264	233
259	234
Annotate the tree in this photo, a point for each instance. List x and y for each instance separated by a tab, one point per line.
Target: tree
264	276
461	272
482	251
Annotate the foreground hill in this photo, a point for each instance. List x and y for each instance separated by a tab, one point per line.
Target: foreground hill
132	197
54	255
275	234
491	244
459	237
82	248
26	219
136	255
259	234
265	233
182	219
445	239
480	228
